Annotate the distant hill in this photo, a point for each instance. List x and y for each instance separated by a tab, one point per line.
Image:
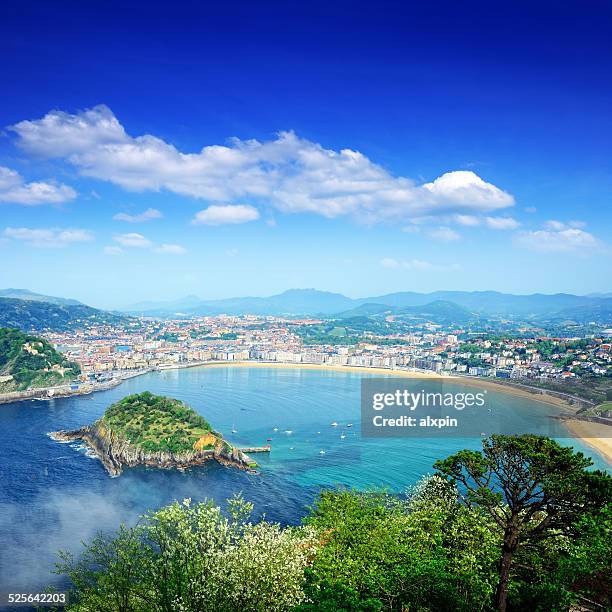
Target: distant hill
312	302
439	311
493	303
291	302
26	294
31	315
27	362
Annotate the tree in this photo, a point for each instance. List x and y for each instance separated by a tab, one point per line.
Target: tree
531	487
193	558
425	552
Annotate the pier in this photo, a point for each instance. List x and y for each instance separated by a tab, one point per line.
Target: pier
256	449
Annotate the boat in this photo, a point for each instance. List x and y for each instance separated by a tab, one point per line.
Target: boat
269	440
234	430
288	432
321	452
334	424
275	429
349	424
342	437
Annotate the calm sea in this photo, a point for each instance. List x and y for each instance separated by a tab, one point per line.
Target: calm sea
53	496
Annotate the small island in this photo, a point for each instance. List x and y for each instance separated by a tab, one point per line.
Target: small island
157	431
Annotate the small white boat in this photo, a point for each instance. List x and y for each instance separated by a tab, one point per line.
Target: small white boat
321	452
349	425
275	429
288	431
318	432
234	430
334	424
291	448
342	437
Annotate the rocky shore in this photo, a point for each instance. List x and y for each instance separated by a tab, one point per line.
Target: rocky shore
116	452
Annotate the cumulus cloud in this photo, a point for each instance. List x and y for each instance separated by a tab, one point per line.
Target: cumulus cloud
13	189
170	249
444	234
561	239
48	237
133	240
228	214
502	223
415	264
467	220
288	173
147	215
113	250
138	241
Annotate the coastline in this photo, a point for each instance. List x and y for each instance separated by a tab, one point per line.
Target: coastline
592	435
576	428
535	395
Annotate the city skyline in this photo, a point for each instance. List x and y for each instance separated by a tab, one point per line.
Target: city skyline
236	158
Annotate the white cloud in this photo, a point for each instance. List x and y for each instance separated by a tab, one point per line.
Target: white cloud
389	262
133	240
170	249
417	265
288	173
15	190
444	234
113	250
467	220
147	215
502	223
564	239
530	209
48	237
228	214
555	226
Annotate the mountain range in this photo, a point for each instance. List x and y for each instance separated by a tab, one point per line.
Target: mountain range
311	302
33	311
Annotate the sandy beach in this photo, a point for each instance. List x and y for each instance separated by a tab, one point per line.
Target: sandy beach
595	435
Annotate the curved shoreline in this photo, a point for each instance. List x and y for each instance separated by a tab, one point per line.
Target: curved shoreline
576	429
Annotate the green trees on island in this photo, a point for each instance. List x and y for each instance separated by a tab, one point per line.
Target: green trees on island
443	546
157	423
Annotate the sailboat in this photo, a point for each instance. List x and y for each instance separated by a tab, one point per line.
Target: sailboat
234	430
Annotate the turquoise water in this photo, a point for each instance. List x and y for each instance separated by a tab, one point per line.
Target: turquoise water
54	495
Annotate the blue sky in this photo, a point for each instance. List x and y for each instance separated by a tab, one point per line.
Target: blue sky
150	152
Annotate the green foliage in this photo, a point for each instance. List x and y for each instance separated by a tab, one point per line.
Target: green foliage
157	423
436	549
426	553
192	559
40	316
531	488
32	362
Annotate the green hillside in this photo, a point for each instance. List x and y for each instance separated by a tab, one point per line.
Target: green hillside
31	315
156	423
28	361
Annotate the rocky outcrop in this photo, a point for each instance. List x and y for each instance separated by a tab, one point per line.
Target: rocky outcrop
116	452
